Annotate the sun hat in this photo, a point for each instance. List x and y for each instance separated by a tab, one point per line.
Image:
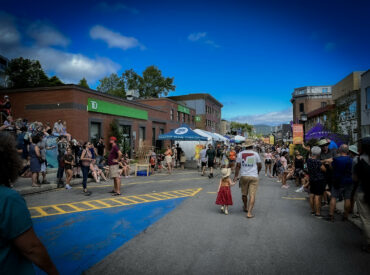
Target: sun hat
113	138
248	143
226	172
353	149
323	142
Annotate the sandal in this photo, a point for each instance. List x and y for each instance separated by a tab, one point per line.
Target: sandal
116	194
250	217
112	192
36	185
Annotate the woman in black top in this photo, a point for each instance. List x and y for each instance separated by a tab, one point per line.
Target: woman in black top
68	167
298	167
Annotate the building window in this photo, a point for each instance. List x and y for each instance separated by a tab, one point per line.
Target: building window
153	136
192	119
188	116
324	90
367	106
301	107
323	104
141	136
178	116
171	114
95	131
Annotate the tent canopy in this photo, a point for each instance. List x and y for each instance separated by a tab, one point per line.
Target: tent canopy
319	131
222	137
204	134
182	133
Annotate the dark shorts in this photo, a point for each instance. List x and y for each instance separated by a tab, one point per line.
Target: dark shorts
153	166
342	192
268	161
210	163
317	187
204	164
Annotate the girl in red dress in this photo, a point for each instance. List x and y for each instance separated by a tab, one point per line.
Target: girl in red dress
224	193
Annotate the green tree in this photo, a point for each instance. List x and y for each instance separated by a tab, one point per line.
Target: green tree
83	83
26	73
113	85
245	127
154	84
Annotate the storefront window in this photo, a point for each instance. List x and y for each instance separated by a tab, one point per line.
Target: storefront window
178	116
171	114
153	137
141	136
95	131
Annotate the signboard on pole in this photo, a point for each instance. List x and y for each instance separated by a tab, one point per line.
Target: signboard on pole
272	140
297	134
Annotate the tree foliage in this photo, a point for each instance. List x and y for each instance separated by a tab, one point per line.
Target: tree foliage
112	85
244	127
152	84
26	73
83	83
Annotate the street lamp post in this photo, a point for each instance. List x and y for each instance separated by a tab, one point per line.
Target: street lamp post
303	120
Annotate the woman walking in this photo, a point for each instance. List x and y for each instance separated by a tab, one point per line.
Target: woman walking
35	158
86	159
68	167
316	174
268	163
168	158
298	167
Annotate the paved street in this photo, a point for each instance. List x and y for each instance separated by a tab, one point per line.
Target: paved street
170	224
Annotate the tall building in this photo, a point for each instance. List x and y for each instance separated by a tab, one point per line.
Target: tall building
365	104
3	65
347	97
207	108
309	98
225	127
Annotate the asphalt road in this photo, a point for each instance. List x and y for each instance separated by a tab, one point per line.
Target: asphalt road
195	238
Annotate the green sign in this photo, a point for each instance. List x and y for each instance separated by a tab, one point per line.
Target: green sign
104	107
183	109
198	118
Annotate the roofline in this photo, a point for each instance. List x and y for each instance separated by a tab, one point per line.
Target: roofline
365	72
161	98
199	95
313	86
76	87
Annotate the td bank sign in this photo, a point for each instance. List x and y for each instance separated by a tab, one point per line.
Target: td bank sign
104	107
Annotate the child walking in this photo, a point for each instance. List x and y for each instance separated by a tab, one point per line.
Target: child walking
224	193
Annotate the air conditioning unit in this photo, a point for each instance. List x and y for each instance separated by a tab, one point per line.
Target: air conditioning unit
132	94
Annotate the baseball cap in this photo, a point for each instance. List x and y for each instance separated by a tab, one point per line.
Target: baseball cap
113	138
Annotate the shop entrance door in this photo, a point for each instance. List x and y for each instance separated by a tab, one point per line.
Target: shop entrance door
126	140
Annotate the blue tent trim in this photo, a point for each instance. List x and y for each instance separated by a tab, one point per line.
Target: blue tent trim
182	133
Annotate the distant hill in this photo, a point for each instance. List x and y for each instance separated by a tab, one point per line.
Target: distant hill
262	129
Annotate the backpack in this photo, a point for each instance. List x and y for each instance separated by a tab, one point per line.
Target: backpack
362	170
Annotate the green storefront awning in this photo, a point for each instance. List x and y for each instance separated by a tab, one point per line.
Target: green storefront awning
104	107
183	109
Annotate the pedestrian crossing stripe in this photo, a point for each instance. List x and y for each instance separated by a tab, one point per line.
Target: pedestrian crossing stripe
66	208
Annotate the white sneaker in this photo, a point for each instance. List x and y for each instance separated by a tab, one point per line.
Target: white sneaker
68	187
226	211
222	209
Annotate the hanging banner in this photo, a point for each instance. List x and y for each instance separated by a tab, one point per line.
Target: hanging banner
266	140
272	140
297	133
198	148
291	149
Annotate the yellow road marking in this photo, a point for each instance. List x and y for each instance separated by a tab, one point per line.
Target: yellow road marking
49	210
298	199
135	183
59	209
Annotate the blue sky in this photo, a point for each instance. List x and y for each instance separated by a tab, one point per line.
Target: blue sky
250	55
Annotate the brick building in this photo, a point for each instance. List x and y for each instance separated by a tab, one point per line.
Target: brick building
208	110
89	113
309	98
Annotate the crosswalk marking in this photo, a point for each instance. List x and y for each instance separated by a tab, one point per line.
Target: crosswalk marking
65	208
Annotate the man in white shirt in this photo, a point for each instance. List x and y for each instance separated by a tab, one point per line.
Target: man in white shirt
248	163
203	159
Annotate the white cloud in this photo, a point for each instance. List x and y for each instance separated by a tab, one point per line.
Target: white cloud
272	118
46	35
9	34
114	39
115	7
69	67
197	36
202	37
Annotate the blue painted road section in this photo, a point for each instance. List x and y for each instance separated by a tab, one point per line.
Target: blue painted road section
77	241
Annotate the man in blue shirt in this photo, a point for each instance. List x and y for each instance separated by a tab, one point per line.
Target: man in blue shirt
19	245
342	181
